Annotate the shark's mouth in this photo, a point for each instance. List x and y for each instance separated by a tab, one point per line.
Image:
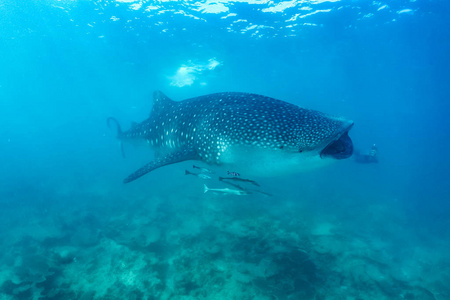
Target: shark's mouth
339	149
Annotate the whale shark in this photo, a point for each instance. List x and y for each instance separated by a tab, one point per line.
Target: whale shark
261	135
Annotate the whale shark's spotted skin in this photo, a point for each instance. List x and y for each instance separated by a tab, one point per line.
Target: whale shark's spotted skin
212	128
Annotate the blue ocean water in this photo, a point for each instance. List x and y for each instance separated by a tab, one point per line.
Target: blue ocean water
70	229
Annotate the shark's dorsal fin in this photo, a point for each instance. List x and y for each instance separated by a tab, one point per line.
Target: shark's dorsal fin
160	102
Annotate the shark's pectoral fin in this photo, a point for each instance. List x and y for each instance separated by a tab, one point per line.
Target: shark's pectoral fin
172	158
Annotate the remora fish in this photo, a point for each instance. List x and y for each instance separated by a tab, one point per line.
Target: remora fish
199	175
233	173
239	179
258	133
203	170
248	191
226	191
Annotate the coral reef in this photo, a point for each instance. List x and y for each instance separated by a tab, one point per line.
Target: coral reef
214	248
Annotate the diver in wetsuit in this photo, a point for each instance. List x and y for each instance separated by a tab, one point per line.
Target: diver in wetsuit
368	158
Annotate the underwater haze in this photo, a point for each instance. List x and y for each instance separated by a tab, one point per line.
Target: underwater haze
354	229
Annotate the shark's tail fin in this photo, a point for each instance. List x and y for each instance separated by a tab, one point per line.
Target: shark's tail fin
111	120
116	123
206	188
186	172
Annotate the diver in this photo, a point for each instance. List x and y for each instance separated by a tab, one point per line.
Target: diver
367	158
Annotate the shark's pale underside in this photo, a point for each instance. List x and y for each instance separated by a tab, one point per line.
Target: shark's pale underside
258	134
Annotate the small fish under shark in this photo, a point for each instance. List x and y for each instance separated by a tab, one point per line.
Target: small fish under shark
199	175
239	180
203	170
264	135
226	191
